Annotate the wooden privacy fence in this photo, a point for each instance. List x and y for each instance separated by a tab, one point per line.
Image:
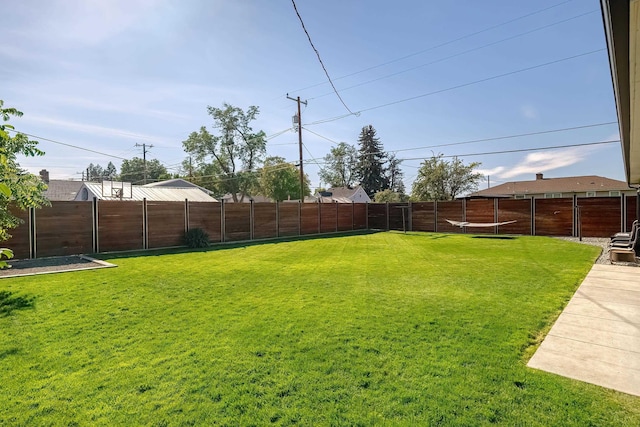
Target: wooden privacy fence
66	228
588	217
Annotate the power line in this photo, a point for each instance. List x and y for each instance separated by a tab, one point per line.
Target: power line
523	150
466	36
510	73
68	145
460	53
319	58
497	138
323	137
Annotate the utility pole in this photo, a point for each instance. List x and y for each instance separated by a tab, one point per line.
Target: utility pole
144	159
300	144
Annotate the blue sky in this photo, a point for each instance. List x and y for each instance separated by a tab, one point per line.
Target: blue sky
105	75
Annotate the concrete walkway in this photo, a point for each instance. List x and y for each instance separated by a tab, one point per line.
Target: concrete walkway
596	339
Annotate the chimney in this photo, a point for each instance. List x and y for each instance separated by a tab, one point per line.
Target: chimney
44	175
538	176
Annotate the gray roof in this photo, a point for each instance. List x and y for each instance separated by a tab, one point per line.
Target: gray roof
571	184
62	190
177	183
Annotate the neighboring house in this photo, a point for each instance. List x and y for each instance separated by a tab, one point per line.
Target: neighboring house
341	195
177	183
124	191
59	189
551	188
228	198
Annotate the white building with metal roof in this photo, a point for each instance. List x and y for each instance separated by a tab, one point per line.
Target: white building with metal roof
124	191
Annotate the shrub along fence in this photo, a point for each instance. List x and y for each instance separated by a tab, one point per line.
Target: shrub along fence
66	228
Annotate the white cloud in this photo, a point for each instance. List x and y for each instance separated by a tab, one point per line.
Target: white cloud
86	22
490	172
94	129
546	160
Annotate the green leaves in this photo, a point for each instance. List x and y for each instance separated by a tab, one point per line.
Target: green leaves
440	179
5	190
17	187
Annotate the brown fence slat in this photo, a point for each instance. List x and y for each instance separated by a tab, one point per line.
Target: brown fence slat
19	241
345	216
518	210
328	217
206	215
120	225
309	218
359	216
481	211
554	217
423	217
449	210
64	228
237	221
264	220
165	224
599	215
631	211
288	219
396	210
378	216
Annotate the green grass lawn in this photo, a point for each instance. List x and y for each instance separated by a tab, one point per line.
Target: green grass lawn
372	329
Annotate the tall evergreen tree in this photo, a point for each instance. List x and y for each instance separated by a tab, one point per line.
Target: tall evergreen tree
371	158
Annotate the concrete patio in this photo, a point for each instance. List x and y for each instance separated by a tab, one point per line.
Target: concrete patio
596	339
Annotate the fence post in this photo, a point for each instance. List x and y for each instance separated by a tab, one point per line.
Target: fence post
464	214
32	234
366	213
353	215
435	216
186	215
387	210
533	216
223	226
337	215
574	231
410	213
277	218
319	217
495	215
95	234
145	225
251	218
300	217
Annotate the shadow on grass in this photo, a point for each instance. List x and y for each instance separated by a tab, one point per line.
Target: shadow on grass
8	303
497	237
219	246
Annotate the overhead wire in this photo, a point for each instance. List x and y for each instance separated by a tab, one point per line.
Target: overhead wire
320	59
466	36
459	54
510	73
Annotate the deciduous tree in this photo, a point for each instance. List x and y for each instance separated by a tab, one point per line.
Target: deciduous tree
17	186
236	151
340	166
280	180
133	170
440	179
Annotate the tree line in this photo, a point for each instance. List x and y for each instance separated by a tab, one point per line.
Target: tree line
232	160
